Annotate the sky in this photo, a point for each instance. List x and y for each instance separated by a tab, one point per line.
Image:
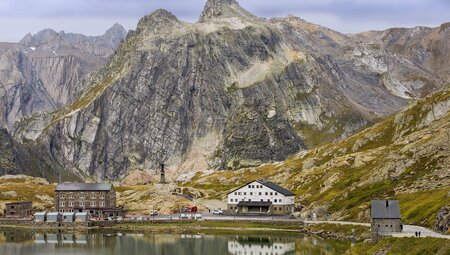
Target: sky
94	17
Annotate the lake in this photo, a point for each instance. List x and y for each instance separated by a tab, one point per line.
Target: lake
17	242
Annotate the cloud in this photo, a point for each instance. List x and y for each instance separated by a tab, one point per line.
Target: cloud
91	16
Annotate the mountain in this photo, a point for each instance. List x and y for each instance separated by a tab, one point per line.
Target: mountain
17	159
403	157
228	92
39	73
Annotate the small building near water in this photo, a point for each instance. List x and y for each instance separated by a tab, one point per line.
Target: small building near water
261	197
385	218
40	217
68	217
81	217
53	217
18	210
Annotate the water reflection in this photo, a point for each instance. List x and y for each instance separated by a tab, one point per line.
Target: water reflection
261	245
101	243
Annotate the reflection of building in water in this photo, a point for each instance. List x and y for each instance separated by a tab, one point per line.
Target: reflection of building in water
260	245
74	240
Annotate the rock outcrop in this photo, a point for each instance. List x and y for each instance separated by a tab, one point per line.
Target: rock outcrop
264	88
443	220
40	73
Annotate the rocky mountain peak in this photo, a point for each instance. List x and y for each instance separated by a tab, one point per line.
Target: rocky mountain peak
116	30
158	18
42	36
224	9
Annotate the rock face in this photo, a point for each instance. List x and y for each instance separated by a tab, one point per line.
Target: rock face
16	159
267	88
443	220
39	73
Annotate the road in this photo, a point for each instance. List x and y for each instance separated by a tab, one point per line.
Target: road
408	230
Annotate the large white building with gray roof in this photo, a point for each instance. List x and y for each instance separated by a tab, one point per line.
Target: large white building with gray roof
261	197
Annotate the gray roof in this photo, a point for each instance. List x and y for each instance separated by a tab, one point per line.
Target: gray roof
270	185
83	187
276	187
385	209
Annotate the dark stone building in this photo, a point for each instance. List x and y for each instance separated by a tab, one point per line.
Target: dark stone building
19	210
98	199
386	218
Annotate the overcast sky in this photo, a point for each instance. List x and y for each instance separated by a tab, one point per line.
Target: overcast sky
93	17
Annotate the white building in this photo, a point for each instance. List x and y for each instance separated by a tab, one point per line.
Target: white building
261	197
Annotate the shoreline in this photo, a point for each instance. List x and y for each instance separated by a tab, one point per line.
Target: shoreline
326	231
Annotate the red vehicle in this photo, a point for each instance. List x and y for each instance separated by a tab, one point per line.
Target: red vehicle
192	209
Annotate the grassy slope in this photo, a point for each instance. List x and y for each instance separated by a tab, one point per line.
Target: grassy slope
343	178
400	246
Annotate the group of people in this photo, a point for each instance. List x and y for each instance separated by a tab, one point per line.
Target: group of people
417	233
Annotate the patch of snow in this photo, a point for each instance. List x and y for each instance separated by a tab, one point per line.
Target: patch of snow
33	48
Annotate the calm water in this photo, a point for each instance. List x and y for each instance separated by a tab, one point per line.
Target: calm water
16	242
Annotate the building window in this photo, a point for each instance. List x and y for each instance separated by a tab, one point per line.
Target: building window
275	200
102	197
102	204
262	200
260	193
62	197
71	197
276	194
249	186
274	208
82	197
251	193
267	194
71	203
281	200
93	203
245	193
81	203
271	193
62	204
235	193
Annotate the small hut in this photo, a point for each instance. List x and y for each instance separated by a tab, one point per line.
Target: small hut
40	217
81	217
53	217
68	217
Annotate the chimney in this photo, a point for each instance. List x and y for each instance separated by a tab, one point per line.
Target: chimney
162	177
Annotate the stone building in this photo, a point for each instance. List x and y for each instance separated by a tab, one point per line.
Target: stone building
261	197
18	210
385	218
97	199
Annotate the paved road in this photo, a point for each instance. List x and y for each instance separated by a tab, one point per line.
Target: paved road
337	222
408	230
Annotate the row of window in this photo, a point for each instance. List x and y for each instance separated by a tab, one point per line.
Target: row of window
92	203
82	197
256	193
262	200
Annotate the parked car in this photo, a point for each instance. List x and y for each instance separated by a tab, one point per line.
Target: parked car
218	211
184	216
197	216
154	213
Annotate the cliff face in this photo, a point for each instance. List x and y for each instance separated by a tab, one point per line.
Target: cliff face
39	73
249	90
